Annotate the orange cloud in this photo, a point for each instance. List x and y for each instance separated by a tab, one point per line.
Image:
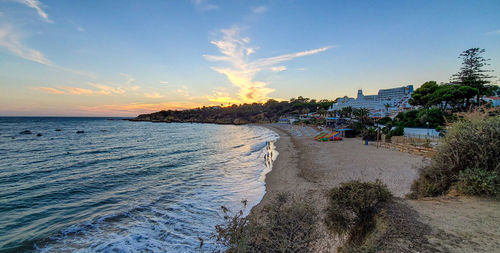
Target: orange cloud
79	91
107	90
222	97
49	90
235	51
134	109
153	95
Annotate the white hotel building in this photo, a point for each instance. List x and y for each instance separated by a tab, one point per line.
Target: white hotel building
396	98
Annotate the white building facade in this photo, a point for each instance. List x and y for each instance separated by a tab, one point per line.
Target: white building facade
387	102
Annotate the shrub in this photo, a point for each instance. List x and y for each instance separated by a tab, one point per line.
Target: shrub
385	120
419	118
289	226
478	182
433	116
470	143
357	128
352	207
370	134
398	131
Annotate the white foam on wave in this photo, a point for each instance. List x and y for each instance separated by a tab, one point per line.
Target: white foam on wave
171	224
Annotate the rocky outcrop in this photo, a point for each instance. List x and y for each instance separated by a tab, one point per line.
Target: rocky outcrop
180	117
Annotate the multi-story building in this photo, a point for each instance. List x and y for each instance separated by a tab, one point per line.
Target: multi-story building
386	103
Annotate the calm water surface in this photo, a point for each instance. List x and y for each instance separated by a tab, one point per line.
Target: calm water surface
122	186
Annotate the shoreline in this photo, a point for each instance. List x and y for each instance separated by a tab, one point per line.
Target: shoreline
307	169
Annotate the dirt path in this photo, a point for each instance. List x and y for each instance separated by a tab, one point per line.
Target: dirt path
461	224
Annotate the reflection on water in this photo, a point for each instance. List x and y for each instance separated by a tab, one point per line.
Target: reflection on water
123	185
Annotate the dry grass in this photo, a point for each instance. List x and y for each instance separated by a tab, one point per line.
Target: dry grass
289	226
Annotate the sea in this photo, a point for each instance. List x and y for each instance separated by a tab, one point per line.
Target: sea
112	185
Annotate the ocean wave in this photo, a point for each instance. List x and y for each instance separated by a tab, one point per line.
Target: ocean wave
155	187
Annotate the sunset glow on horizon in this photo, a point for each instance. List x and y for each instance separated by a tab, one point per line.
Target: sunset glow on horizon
124	58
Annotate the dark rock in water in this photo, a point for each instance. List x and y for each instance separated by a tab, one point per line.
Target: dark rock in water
80	132
104	130
58	130
38	135
26	132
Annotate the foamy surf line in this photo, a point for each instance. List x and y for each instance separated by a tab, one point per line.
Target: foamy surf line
270	156
140	227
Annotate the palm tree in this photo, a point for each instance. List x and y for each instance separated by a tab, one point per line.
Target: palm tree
361	114
387	106
347	111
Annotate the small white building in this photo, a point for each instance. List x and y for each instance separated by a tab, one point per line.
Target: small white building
495	101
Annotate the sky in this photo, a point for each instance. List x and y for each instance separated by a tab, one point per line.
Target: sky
124	58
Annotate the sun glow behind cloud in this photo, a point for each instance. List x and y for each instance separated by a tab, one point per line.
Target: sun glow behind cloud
241	73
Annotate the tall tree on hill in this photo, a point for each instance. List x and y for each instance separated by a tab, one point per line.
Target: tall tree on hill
422	95
473	74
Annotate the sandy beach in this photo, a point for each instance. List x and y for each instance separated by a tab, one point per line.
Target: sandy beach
308	169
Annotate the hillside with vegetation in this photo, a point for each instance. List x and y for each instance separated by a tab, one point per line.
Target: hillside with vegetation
240	114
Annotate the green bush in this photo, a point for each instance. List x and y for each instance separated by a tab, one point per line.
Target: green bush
352	207
472	143
420	117
385	121
289	226
357	128
370	134
478	182
398	131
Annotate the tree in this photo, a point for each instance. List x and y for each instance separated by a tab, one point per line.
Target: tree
455	95
346	112
387	106
472	72
422	95
361	114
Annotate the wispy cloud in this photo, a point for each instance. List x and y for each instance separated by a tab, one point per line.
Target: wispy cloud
221	96
80	28
278	68
163	82
79	91
496	32
204	5
49	90
153	95
130	79
235	50
107	90
11	40
183	91
35	4
98	89
133	109
259	9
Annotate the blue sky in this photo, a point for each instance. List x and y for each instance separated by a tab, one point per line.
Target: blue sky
129	57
